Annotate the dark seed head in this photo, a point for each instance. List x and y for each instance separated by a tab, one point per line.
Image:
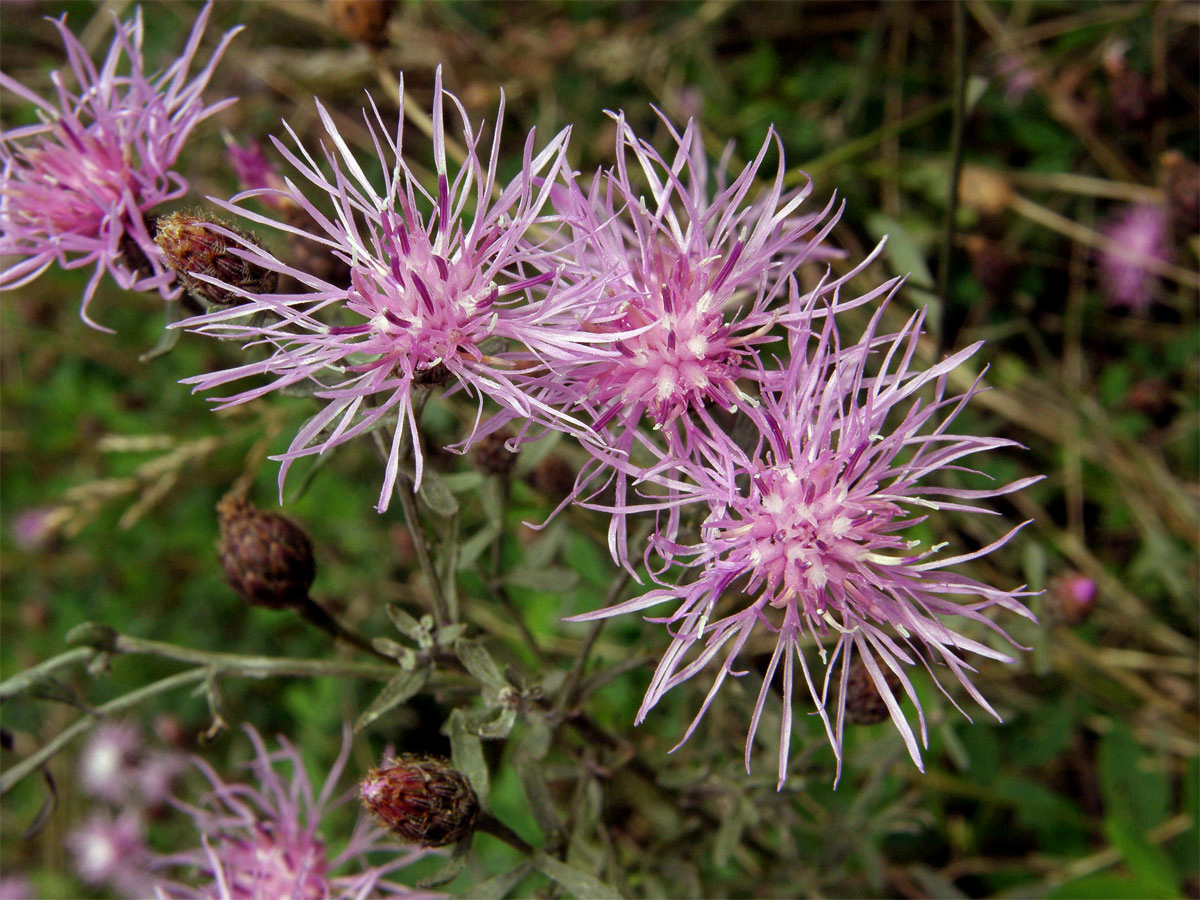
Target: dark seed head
421	800
267	558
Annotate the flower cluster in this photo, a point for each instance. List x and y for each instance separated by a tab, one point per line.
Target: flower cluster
130	781
682	321
806	535
635	313
79	187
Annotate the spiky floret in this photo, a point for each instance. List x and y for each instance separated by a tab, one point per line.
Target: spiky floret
811	530
79	187
441	286
262	840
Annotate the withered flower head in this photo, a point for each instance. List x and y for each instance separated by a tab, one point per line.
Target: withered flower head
193	246
420	799
267	558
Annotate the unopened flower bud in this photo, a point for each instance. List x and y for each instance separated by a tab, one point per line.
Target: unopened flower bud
192	247
364	21
864	702
1074	596
492	456
267	558
420	799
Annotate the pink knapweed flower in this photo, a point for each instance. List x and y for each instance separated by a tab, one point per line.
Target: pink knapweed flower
262	841
697	274
695	268
807	537
79	187
1140	237
444	287
112	851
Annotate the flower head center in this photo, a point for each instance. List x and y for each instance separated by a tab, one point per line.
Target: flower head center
69	187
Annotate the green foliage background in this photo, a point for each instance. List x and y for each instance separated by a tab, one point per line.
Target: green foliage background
1088	789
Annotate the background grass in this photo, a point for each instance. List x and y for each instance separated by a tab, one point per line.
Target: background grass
1090	786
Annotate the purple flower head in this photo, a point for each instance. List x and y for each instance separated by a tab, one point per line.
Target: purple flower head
261	842
693	273
810	533
1140	238
111	850
441	284
78	188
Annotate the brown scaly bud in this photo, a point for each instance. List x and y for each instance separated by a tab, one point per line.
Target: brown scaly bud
364	21
492	457
421	800
864	703
267	558
192	247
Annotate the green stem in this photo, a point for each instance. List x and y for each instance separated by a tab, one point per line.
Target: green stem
407	503
867	141
489	824
103	638
24	680
315	614
956	153
80	726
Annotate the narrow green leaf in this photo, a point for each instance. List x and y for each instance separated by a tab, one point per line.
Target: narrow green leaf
1150	864
533	782
551	579
479	663
400	689
410	627
435	495
577	883
498	887
903	250
466	752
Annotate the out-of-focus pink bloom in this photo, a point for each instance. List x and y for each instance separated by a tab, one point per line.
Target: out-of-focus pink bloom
811	528
255	172
441	283
1075	594
155	776
1140	237
108	763
15	886
262	841
1018	78
79	187
112	851
34	528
